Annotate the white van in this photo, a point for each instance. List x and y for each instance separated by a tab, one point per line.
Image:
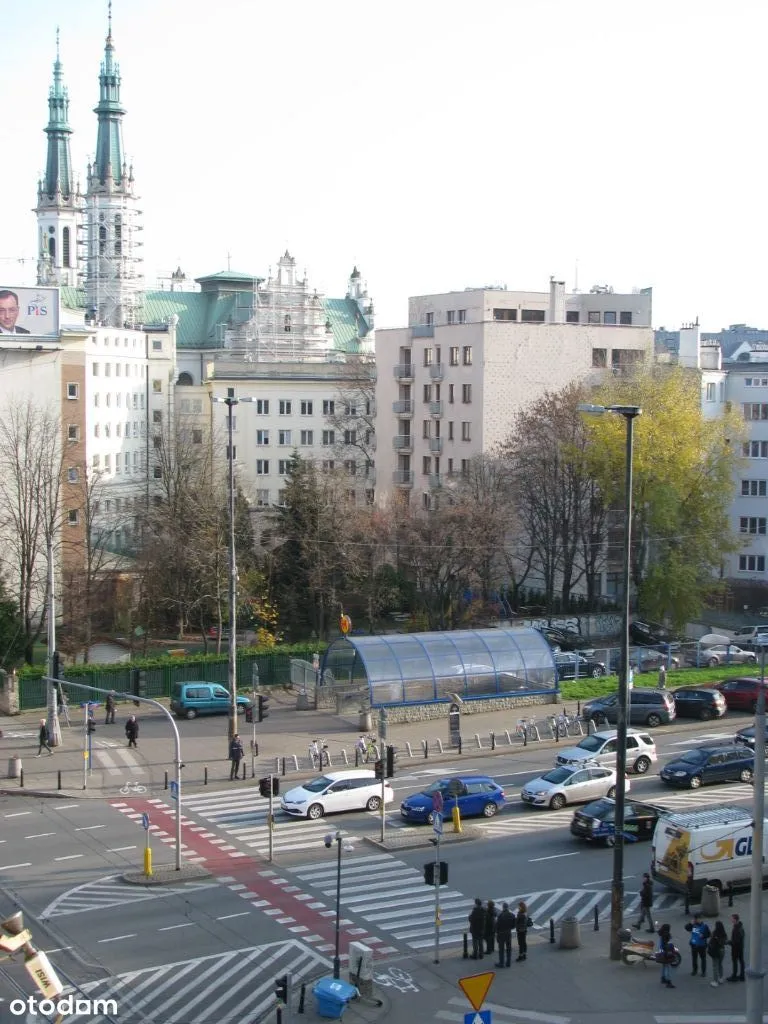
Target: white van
708	846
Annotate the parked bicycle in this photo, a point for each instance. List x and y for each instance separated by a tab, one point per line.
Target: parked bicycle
319	754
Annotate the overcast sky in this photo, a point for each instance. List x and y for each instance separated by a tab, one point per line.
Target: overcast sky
438	145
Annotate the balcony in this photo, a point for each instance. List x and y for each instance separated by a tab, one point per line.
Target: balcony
403	371
436	408
435	480
436	445
403	477
422	331
402	442
370	477
403	407
436	371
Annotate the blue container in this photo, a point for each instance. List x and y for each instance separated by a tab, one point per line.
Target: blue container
332	997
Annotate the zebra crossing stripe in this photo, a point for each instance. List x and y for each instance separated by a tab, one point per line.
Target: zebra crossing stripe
518	1016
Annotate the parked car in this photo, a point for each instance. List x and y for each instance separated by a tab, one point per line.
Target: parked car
747	737
751	636
720	654
570	784
565	639
600	748
702	765
595	822
651	634
646	707
702	702
188	700
473	794
646	659
740	693
576	666
353	790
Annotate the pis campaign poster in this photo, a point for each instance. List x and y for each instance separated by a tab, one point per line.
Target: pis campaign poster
29	312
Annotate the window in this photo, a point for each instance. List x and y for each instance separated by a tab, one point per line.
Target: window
230	392
329	437
427	393
95	369
73	517
450	316
572	316
454	355
462	316
96	430
118	369
600	357
73	475
505	314
262	437
429	319
234	452
593	316
283	437
108	430
136	401
127	462
609	317
450	430
752	524
157	346
426	465
73	391
625	318
157	387
157	472
306	408
197	436
465	467
532	316
307	437
753	488
756	382
426	429
262	497
350	437
136	463
262	407
350	409
284	407
108	464
466	355
119	430
752	410
350	467
96	462
107	369
157	416
118	399
711	392
451	392
466	431
282	466
428	356
328	465
262	467
751	563
466	393
65	247
755	449
329	407
281	498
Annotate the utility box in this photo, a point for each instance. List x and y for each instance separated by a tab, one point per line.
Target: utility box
361	967
710	901
332	997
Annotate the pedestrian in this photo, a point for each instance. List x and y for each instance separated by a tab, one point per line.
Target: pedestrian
700	934
132	731
666	954
522	924
43	739
110	708
662	682
646	902
491	913
361	749
236	754
716	949
477	929
505	922
736	942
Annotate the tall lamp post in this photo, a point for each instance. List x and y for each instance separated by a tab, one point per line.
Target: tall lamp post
630	413
338	838
755	972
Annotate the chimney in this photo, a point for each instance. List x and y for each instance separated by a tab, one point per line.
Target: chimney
556	301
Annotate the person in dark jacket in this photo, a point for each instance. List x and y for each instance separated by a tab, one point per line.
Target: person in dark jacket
477	929
700	934
236	754
132	731
110	709
505	922
43	738
521	928
736	942
491	913
666	951
646	903
716	950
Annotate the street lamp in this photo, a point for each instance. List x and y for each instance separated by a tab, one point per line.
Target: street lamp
338	838
755	972
630	413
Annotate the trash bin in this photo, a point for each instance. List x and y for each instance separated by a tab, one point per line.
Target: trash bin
14	767
366	723
332	997
710	901
570	936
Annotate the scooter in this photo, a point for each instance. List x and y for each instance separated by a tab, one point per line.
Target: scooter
634	950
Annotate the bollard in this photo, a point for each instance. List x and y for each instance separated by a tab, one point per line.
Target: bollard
147	861
59	787
21	778
478	742
493	741
578	707
525	736
205	775
283	766
509	738
302	995
459	744
357	758
551	929
465	952
165	786
557	731
279	1018
409	749
426	749
244	770
730	894
597	921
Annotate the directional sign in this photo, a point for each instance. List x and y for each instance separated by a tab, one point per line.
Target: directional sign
174	788
437	801
145	822
437	823
481	1017
475	988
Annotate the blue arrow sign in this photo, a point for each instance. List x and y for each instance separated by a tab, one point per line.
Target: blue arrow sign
481	1017
174	788
145	822
437	823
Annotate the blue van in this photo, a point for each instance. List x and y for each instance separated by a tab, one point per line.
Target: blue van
188	700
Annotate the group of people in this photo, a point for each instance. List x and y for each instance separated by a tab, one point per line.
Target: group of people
706	943
489	927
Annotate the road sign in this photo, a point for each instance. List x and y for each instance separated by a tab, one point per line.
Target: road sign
437	801
481	1017
437	823
174	788
145	822
475	988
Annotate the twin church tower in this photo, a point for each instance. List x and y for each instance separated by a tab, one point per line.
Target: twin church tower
91	240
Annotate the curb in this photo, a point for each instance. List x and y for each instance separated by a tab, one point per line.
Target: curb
423	839
166	874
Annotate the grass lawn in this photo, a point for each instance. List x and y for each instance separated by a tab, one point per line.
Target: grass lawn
585	689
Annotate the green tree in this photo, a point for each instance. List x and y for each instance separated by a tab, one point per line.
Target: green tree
12	634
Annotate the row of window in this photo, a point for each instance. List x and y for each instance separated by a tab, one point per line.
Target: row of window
755	410
121	369
350	466
453	316
124	462
306	407
105	430
432	356
751	563
752	524
572	316
428	426
756	382
755	449
754	488
432	393
133	400
157	343
287	438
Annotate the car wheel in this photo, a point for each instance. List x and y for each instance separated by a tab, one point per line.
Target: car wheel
745	775
373	804
642	764
597	671
705	714
653	720
695	781
610	841
190	713
713	662
557	802
315	811
489	810
611	793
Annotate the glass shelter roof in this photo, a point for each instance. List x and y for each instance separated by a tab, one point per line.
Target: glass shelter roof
419	668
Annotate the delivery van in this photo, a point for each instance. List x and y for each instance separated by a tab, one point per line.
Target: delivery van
708	846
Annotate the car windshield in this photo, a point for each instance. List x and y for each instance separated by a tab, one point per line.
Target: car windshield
557	775
599	809
693	757
317	785
441	784
590	743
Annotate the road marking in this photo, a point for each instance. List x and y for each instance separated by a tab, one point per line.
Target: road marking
17	814
87	828
170	927
70	856
228	917
39	835
120	849
61	949
7	867
555	856
117	938
65	807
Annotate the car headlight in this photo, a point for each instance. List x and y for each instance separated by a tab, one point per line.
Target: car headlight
679	775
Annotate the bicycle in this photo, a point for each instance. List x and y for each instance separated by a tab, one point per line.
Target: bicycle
132	787
319	755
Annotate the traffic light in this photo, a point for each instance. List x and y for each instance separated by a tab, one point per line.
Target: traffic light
429	872
263	705
378	769
390	762
249	714
264	785
281	989
91	723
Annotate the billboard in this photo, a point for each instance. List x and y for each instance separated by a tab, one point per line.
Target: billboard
29	312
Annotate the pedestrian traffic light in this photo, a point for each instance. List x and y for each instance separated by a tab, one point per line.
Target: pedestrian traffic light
249	714
281	989
390	762
91	723
378	769
263	705
429	872
264	785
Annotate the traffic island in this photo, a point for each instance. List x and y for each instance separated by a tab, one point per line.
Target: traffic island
403	839
167	874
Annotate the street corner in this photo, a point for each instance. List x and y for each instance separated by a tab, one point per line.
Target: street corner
166	874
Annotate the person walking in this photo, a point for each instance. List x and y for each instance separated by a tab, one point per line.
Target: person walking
666	954
236	754
43	739
361	750
662	681
700	934
477	929
110	709
132	731
522	924
505	922
716	950
490	926
646	902
736	942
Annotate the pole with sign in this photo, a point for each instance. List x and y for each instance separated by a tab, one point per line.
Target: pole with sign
147	848
475	988
437	828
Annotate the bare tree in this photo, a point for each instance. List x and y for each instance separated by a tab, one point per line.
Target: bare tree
351	417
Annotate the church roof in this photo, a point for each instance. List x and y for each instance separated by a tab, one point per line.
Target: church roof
228	275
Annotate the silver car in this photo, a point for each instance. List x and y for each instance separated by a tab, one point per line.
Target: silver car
721	654
570	784
601	747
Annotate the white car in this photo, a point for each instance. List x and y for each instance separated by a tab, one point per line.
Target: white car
601	747
571	784
336	791
720	654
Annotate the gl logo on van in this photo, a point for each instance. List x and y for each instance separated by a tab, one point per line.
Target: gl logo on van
723	850
744	846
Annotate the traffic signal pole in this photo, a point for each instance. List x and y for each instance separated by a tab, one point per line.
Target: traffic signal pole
437	898
383	806
271	817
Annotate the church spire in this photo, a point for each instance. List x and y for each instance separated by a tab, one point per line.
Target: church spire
58	167
108	165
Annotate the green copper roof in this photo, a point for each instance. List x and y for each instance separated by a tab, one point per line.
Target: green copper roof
58	166
109	140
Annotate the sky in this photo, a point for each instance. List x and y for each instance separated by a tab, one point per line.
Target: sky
436	145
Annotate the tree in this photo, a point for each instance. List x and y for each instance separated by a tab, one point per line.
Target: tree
12	635
352	419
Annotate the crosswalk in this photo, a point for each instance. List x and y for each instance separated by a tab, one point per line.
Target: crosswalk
234	986
115	758
502	1014
110	891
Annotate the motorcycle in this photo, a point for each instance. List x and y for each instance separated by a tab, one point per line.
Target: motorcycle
634	950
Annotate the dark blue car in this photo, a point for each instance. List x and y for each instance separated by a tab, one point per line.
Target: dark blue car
725	763
473	794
